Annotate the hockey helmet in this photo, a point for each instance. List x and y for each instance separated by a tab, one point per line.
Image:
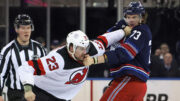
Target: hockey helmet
77	38
134	8
23	19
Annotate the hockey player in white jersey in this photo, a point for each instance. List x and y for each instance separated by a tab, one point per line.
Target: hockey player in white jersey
62	69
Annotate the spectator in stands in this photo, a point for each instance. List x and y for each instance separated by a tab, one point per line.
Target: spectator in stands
177	56
164	49
55	44
156	63
169	68
157	52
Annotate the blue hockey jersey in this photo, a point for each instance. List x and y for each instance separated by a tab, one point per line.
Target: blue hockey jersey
131	56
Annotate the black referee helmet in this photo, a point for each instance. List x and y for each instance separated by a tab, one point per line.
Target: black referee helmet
23	19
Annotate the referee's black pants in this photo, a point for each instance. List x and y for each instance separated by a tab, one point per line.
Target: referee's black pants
42	95
15	95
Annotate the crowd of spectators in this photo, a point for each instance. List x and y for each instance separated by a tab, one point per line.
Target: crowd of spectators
164	63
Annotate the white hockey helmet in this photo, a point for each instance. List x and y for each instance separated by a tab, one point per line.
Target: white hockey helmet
77	38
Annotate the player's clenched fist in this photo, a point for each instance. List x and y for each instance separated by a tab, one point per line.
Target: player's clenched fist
29	96
127	30
88	60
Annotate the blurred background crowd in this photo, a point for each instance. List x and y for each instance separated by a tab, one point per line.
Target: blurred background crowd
163	17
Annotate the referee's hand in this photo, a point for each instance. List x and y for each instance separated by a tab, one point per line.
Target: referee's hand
29	96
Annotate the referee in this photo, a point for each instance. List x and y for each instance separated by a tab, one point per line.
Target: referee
21	49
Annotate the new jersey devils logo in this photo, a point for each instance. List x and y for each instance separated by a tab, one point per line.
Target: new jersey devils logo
78	76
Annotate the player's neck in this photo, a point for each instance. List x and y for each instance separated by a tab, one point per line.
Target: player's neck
21	42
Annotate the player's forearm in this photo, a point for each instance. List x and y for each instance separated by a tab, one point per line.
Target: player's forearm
29	95
95	60
111	37
100	59
27	87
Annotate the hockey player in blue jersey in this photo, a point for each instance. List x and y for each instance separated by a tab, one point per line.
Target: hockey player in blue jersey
129	59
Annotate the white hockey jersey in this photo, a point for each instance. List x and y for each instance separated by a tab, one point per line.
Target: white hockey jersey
62	76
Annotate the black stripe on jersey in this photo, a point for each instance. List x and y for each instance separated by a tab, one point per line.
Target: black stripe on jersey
35	48
26	54
92	50
45	52
102	42
38	46
41	51
8	82
3	59
7	75
14	74
17	54
36	66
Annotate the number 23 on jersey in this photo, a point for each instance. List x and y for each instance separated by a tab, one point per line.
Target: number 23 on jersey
52	64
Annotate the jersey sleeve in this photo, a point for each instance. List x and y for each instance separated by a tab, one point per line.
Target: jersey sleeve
128	49
48	64
108	39
98	46
4	66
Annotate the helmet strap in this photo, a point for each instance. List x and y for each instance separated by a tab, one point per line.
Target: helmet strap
72	53
32	27
140	18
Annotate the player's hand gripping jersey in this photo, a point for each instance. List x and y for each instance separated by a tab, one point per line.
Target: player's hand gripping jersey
63	76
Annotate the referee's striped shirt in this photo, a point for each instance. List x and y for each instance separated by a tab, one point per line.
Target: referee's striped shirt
12	56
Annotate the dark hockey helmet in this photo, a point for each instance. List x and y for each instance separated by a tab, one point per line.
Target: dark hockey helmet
23	19
134	8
